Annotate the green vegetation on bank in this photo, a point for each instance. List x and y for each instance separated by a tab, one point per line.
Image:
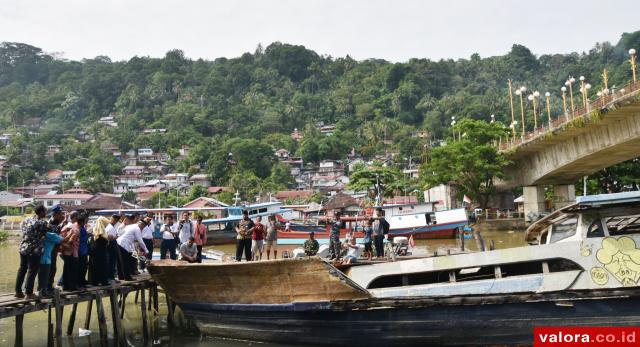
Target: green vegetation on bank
248	106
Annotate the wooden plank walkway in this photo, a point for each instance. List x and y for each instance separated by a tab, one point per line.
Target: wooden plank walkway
10	306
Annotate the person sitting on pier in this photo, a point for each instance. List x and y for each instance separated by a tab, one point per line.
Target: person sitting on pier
31	248
127	247
189	251
311	245
352	252
169	233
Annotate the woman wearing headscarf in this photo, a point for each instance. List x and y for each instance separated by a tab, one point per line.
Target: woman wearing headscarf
99	257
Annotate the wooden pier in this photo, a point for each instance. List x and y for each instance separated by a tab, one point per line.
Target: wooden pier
144	287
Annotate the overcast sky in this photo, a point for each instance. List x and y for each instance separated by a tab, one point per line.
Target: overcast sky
395	30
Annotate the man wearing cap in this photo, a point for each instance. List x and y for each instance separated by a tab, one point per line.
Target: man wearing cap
112	248
127	247
147	237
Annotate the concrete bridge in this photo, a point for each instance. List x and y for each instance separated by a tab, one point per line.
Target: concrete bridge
605	133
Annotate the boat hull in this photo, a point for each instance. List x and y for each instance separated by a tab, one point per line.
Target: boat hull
389	323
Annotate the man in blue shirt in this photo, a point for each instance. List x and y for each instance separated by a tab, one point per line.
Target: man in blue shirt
51	240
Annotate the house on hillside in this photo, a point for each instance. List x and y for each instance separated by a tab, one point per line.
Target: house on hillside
105	201
293	195
282	153
343	203
71	200
200	179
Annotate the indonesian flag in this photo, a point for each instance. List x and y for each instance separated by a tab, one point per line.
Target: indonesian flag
466	199
412	242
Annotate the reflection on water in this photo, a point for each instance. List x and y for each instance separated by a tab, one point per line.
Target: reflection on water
36	323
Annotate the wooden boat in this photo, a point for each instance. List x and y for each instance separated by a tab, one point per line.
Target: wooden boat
583	271
418	220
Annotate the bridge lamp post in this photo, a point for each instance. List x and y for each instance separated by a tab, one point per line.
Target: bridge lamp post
547	96
493	118
586	95
520	93
534	100
453	129
513	130
564	102
569	83
632	60
582	90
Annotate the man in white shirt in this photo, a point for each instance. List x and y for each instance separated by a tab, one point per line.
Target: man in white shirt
112	248
127	246
185	228
147	237
169	232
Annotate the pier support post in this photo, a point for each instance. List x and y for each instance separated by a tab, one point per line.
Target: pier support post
72	320
169	310
533	202
19	330
102	323
87	317
143	310
156	306
118	330
59	308
563	195
123	300
49	328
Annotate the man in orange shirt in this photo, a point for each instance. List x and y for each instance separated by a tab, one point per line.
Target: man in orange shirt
200	237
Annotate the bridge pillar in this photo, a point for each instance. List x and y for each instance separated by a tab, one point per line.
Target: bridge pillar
563	195
534	203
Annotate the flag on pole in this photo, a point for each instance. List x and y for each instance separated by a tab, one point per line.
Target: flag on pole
412	242
466	199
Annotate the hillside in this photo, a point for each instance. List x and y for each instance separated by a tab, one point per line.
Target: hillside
250	105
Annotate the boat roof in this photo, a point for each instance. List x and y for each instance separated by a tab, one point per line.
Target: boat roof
608	199
583	203
238	217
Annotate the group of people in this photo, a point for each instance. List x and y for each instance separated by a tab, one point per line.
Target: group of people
375	230
185	238
109	251
251	237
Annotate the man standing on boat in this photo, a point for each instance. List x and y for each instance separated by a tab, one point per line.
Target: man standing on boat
244	230
380	229
311	246
335	246
185	228
200	236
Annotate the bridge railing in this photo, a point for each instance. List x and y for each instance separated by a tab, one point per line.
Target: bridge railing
560	120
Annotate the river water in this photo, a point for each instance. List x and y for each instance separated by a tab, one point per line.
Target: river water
35	324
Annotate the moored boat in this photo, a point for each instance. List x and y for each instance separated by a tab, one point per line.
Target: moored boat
583	271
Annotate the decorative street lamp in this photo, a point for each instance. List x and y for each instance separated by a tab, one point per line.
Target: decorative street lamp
564	102
582	90
513	129
520	92
632	53
513	118
569	83
548	95
534	100
493	118
453	130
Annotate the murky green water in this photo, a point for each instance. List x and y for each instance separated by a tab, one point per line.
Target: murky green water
35	324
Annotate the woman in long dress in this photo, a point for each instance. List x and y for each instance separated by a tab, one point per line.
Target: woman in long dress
99	256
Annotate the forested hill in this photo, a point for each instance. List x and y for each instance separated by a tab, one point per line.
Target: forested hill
253	102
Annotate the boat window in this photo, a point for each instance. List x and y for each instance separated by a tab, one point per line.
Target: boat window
595	229
396	280
561	264
564	227
623	225
475	273
520	269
